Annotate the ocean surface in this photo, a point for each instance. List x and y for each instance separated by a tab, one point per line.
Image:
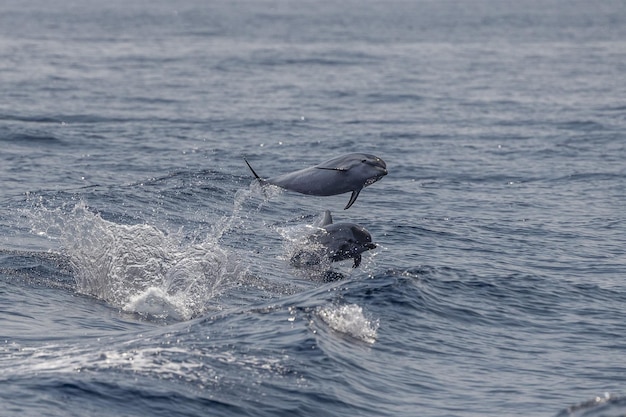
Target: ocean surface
144	272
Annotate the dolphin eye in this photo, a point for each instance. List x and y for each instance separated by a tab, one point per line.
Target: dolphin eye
363	160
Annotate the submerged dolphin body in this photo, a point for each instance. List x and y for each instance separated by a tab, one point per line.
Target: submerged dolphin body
346	173
336	242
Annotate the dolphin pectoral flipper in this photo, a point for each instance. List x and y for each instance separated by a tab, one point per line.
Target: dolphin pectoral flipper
357	261
353	197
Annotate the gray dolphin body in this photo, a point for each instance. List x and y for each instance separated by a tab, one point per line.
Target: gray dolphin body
346	173
336	242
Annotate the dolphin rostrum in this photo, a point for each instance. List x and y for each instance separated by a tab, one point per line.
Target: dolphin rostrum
336	242
350	172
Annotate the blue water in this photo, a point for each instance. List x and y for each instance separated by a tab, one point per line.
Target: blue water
144	273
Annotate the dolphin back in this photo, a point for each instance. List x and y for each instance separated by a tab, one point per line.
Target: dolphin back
314	181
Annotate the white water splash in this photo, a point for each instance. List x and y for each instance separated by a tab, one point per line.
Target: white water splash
350	320
139	268
299	250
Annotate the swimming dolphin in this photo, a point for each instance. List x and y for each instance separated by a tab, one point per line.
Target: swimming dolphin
350	172
336	242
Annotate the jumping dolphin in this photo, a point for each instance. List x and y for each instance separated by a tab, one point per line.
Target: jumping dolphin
350	172
336	242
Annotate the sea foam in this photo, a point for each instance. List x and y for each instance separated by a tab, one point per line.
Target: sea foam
349	319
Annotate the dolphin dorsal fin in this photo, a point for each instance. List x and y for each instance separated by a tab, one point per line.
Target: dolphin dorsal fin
324	220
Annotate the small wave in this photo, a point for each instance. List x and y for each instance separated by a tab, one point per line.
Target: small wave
29	138
37	268
349	320
62	119
590	176
581	126
605	405
33	119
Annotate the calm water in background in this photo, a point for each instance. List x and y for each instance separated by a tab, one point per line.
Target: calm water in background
143	273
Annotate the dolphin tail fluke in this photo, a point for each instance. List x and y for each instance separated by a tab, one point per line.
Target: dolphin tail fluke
355	194
254	173
357	261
